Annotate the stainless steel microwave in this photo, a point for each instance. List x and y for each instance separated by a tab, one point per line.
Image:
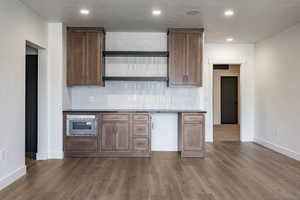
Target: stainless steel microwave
81	125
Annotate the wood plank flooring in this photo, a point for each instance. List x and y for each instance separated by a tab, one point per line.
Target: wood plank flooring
227	132
231	171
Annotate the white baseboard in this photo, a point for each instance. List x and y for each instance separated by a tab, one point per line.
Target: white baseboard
50	155
42	156
247	140
12	177
56	155
164	149
277	148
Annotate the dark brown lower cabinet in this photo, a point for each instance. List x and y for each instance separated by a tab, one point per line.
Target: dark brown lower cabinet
191	135
107	137
126	134
141	144
115	137
129	135
78	144
122	137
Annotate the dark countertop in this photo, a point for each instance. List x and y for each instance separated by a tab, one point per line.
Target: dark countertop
136	110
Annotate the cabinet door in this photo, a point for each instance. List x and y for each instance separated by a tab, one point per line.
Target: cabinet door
93	70
177	58
192	137
80	144
107	136
194	59
122	136
76	58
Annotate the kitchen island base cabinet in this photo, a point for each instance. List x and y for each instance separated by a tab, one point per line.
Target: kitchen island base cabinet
191	135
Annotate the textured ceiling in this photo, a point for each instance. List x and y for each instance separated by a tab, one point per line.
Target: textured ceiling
254	20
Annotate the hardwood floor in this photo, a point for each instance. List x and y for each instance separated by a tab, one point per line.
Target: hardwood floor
231	171
30	161
227	132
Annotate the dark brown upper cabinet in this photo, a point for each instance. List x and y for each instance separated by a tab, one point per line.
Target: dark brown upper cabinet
84	52
185	57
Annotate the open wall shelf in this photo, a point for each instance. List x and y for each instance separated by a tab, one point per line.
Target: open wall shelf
136	53
132	78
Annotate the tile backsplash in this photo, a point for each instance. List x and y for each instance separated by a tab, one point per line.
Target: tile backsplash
135	95
136	66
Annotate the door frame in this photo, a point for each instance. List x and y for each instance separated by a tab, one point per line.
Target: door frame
211	63
42	130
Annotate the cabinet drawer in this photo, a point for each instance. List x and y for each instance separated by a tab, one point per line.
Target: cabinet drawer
192	118
141	144
116	117
141	117
81	144
141	129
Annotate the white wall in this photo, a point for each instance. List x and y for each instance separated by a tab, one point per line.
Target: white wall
57	92
277	105
18	24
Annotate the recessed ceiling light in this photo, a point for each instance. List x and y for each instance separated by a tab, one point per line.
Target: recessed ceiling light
156	12
84	11
229	39
229	13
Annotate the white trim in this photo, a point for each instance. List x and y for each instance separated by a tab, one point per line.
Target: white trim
211	62
277	148
209	140
227	61
12	177
56	155
42	156
164	149
246	140
50	155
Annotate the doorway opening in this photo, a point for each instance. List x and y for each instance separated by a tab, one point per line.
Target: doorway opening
226	98
31	105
